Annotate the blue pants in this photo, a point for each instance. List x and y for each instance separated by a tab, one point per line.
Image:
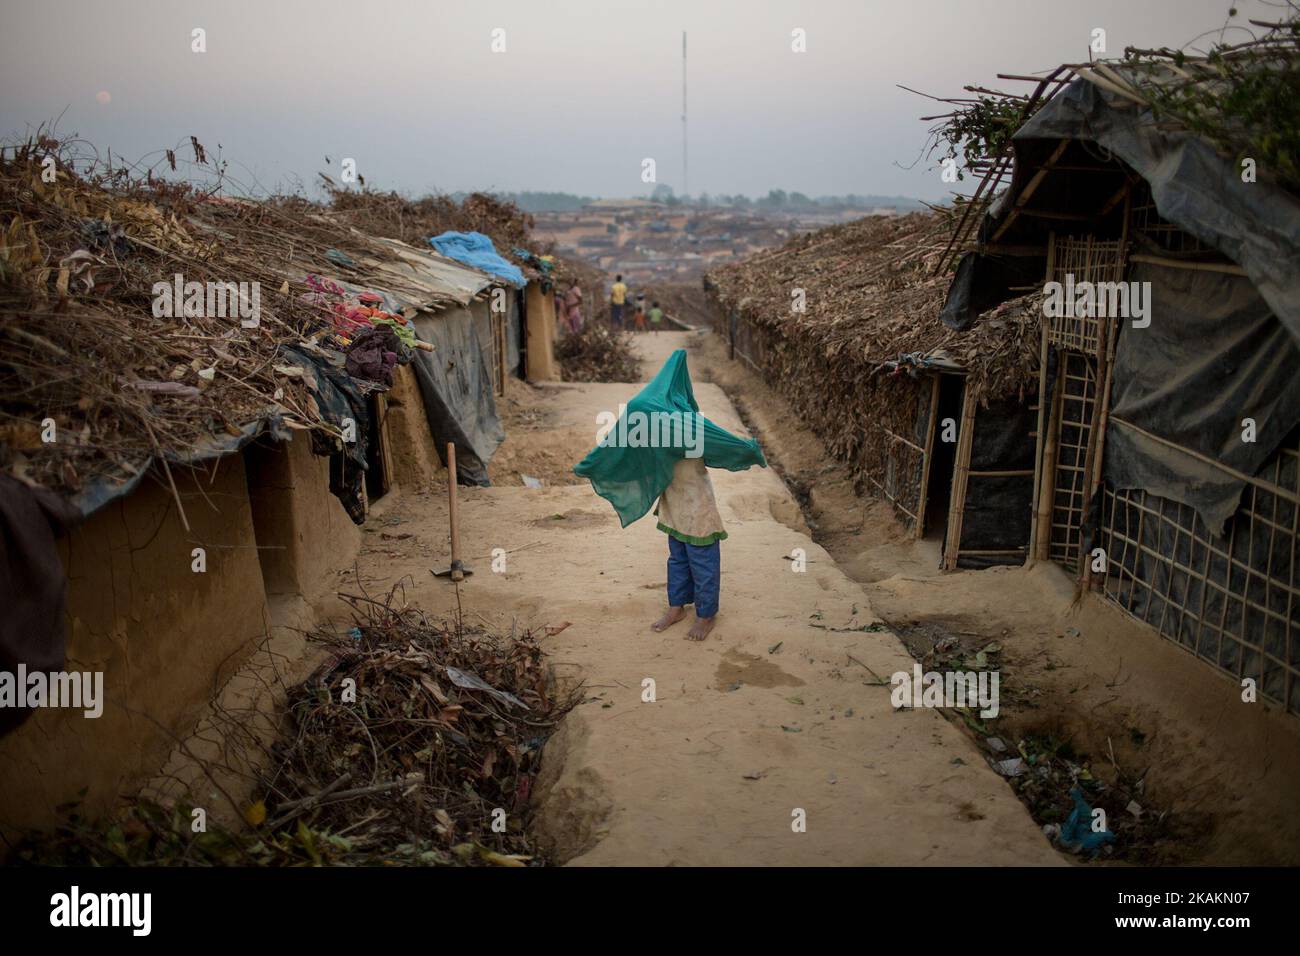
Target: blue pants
694	575
616	314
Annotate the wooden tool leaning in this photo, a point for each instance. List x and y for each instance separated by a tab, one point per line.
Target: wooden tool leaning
458	569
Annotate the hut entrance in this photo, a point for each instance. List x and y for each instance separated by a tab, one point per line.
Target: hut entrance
943	454
379	465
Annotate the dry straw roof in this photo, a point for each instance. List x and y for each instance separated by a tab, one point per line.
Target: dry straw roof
79	344
873	301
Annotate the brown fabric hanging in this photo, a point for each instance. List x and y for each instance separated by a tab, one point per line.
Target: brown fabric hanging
32	628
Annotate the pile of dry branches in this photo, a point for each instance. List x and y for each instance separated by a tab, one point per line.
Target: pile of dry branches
417	743
597	353
1243	97
442	740
414	221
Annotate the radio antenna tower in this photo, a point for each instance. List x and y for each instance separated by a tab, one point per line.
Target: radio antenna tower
686	180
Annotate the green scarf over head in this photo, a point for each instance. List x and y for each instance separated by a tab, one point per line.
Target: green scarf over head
633	463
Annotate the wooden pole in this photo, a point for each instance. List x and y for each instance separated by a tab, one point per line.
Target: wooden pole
926	455
1225	267
1089	453
1283	493
1043	400
457	574
1040	442
1047	483
505	349
1093	481
957	503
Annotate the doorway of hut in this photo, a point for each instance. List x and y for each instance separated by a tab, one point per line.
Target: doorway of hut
379	465
943	454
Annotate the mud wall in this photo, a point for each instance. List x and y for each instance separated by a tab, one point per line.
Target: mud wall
303	534
539	325
163	635
167	637
406	433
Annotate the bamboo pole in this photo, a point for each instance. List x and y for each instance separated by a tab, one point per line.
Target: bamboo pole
961	472
453	512
1225	267
1030	188
1291	589
1043	400
1206	459
1047	483
500	343
1097	439
899	438
927	455
1096	464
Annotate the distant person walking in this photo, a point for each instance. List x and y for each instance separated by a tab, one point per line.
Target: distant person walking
656	316
617	298
640	312
573	309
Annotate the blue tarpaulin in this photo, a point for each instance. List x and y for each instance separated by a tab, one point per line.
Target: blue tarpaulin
476	251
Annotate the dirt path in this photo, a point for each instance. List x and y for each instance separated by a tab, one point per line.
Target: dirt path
779	711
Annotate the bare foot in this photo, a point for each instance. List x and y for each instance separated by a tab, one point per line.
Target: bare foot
700	629
671	617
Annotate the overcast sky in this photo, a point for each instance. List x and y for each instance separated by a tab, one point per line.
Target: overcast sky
585	90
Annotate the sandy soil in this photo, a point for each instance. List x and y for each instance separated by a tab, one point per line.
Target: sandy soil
776	713
1073	665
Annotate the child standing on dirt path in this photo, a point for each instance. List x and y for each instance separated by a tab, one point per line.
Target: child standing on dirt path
659	447
688	514
656	316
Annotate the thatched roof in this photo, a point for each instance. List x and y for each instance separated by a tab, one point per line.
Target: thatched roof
80	345
873	301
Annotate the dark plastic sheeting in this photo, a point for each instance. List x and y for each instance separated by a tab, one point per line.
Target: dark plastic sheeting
1212	356
999	508
456	385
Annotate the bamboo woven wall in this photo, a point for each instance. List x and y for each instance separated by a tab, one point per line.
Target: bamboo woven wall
896	461
1087	260
1231	601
